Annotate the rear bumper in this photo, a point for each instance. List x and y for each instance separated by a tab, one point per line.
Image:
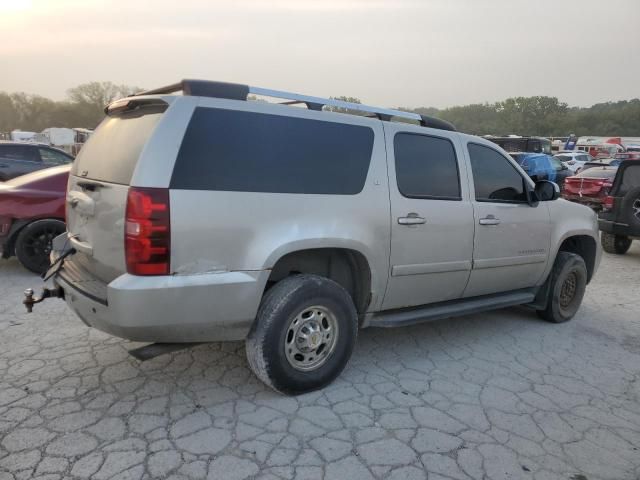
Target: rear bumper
593	202
175	308
616	228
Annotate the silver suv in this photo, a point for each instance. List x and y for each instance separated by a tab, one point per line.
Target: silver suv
207	217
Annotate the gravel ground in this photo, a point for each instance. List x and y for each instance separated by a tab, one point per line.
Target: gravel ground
501	395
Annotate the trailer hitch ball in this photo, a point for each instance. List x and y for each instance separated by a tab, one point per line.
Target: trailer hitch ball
29	300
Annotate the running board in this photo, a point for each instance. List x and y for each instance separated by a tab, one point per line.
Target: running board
452	308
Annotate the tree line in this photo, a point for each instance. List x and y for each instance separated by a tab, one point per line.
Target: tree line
83	107
538	115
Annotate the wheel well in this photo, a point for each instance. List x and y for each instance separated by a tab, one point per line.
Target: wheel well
582	245
346	267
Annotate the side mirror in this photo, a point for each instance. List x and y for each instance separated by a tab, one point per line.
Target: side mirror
546	191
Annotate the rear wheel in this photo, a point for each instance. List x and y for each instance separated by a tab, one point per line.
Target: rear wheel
33	243
618	244
568	284
303	335
631	207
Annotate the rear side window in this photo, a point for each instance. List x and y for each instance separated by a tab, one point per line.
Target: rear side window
51	156
426	167
19	152
112	152
630	179
239	151
494	177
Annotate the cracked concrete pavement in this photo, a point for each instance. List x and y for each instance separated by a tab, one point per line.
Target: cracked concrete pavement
500	395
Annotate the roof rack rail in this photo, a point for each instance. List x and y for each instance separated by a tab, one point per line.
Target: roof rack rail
237	91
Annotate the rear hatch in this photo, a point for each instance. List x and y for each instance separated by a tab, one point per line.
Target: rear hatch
99	183
590	183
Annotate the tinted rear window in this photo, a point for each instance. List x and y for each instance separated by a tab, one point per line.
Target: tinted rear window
239	151
598	172
113	150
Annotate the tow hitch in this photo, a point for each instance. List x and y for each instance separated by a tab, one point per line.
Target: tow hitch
30	300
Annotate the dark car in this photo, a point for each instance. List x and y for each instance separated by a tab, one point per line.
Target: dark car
540	166
619	219
19	158
32	214
523	144
590	187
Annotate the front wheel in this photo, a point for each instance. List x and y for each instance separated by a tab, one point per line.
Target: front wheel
618	244
33	243
568	284
303	335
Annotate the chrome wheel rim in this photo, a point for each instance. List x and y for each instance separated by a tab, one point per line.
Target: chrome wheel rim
568	291
311	338
636	208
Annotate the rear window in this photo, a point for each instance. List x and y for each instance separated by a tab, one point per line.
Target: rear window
630	179
239	151
113	150
598	172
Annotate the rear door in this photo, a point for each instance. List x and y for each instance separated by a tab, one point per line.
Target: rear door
98	188
511	243
431	217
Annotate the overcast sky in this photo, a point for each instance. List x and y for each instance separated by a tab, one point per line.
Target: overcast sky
387	52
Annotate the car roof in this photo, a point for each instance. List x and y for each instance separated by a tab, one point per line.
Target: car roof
14	142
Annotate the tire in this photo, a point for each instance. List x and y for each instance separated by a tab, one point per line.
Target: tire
618	244
280	347
568	284
631	208
33	243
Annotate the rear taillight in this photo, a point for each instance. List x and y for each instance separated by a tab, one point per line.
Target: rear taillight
608	203
147	234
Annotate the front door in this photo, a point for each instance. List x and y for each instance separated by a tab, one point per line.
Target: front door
431	217
511	244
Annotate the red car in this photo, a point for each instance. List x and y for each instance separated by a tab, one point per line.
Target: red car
590	187
32	214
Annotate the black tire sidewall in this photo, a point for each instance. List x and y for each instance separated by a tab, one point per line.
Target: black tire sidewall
567	263
25	233
622	244
306	291
627	207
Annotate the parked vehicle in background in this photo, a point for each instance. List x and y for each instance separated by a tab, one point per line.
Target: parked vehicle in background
514	143
292	228
619	220
628	155
574	160
69	140
599	148
590	187
18	158
21	136
601	162
32	214
540	166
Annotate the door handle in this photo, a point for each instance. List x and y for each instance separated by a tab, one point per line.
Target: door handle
411	219
490	220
